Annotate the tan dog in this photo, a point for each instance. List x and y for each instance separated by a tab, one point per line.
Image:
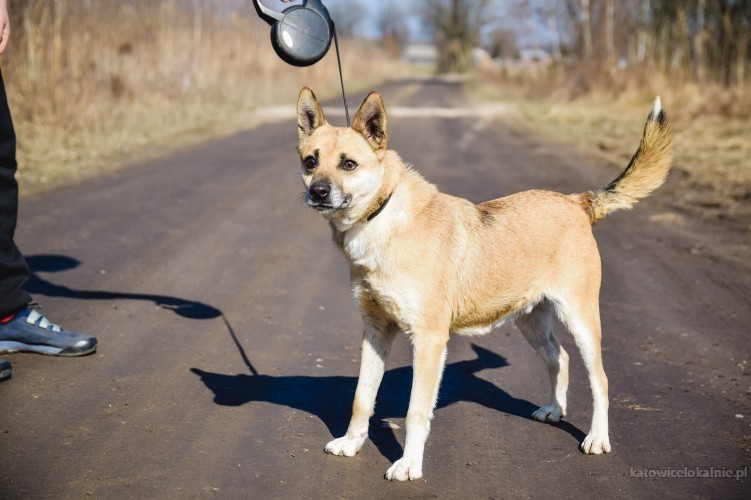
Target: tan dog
430	264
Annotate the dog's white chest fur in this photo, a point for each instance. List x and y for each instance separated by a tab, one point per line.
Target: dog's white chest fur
364	245
367	244
368	248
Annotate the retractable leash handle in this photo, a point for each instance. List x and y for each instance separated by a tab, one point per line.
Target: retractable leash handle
301	35
268	15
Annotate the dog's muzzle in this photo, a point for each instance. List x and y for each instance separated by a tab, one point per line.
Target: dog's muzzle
326	198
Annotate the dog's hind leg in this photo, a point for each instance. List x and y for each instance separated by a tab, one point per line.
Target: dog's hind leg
376	344
582	317
429	359
537	327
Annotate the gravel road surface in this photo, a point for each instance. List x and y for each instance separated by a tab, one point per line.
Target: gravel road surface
228	337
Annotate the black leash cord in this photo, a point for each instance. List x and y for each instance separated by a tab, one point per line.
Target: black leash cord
341	78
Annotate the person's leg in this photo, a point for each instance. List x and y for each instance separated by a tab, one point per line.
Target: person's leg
13	269
21	328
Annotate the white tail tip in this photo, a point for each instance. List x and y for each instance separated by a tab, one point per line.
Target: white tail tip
657	107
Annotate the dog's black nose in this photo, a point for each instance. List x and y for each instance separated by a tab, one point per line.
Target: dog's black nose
319	191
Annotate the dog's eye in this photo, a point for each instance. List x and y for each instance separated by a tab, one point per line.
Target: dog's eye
349	164
310	162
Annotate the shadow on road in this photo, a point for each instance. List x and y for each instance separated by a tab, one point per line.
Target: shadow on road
330	397
56	263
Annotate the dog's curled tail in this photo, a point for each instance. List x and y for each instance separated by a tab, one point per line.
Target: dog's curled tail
645	173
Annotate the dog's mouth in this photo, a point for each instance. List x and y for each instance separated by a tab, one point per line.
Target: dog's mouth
323	207
327	208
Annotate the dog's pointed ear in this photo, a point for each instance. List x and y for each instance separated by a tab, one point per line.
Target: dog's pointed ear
370	121
309	113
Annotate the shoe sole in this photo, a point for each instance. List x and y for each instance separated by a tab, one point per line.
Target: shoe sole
8	346
5	370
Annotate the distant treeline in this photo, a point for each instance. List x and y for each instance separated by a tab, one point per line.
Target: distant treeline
706	41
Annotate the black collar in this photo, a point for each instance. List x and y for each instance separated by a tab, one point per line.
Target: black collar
380	209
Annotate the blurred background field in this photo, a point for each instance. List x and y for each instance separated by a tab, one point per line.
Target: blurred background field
95	83
589	79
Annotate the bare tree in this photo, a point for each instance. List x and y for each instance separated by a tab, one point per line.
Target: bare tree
547	12
610	38
586	27
503	43
392	27
455	26
347	16
641	51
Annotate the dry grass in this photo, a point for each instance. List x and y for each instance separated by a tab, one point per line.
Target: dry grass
93	84
710	124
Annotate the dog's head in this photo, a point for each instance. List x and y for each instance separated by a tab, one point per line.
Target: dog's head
343	169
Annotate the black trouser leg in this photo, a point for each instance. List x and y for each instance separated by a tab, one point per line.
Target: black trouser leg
13	269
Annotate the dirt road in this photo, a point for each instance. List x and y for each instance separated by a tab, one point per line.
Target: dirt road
229	339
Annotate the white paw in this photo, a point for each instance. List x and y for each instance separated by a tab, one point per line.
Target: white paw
405	468
548	413
345	446
595	445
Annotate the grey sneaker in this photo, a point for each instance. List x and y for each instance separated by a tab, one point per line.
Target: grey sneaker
29	331
5	369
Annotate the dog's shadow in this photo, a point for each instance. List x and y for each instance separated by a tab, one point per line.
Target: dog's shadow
330	397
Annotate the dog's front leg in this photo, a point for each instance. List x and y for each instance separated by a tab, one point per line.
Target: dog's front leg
376	344
429	359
